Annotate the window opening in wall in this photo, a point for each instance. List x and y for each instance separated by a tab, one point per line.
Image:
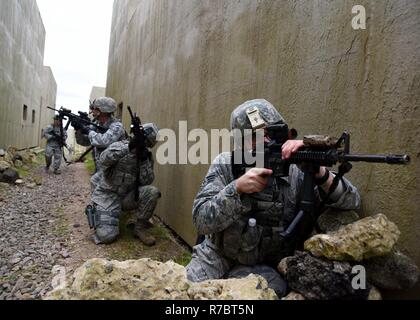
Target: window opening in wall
25	112
33	116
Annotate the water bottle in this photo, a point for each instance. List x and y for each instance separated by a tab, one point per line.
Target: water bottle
250	241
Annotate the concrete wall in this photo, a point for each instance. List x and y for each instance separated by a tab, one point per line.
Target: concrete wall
96	92
48	99
197	60
22	38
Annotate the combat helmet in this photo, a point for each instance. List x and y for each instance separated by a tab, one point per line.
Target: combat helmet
105	104
151	133
255	114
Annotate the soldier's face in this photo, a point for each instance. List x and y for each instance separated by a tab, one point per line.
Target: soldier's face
96	113
56	123
253	146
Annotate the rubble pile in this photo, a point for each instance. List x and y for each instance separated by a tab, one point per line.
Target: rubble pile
336	262
11	160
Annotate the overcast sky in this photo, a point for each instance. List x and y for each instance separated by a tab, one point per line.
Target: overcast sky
76	48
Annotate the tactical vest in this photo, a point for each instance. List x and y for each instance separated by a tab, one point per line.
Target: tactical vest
273	209
54	140
123	175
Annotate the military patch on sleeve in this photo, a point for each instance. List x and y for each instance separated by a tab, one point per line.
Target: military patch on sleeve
210	178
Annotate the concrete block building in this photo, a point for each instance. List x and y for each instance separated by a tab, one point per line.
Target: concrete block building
26	86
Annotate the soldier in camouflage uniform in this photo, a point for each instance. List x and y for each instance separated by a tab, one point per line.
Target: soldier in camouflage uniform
225	203
103	111
118	170
55	136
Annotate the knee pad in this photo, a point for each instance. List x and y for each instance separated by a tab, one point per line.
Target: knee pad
107	226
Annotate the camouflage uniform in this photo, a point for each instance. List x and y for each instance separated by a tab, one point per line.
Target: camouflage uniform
115	192
101	141
52	134
221	214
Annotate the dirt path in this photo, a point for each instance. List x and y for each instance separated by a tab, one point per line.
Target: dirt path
127	247
44	226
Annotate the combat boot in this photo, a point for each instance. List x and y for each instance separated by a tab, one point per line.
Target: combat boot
57	171
140	232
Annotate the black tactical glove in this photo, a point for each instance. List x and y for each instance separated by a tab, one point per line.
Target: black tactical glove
85	129
76	125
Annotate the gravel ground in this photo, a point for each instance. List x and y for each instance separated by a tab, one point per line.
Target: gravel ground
43	227
33	238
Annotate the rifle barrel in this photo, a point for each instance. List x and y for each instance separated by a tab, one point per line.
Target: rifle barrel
389	159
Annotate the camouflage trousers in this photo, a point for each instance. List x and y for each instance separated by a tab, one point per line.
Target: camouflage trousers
207	264
108	212
56	152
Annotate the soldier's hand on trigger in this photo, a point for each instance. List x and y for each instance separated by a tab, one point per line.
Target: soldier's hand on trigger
254	181
290	147
76	125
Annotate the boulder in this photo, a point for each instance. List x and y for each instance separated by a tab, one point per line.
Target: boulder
31	185
374	294
17	157
333	219
282	267
4	166
2	153
10	176
8	157
294	296
364	239
321	279
145	279
250	288
27	156
394	271
38	180
18	164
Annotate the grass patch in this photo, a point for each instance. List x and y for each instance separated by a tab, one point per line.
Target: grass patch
184	258
160	233
125	248
27	169
90	164
23	173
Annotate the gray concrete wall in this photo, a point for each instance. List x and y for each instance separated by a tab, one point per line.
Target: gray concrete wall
48	99
97	92
197	60
22	39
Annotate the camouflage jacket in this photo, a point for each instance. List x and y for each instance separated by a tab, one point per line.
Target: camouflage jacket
52	134
119	167
218	208
101	141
